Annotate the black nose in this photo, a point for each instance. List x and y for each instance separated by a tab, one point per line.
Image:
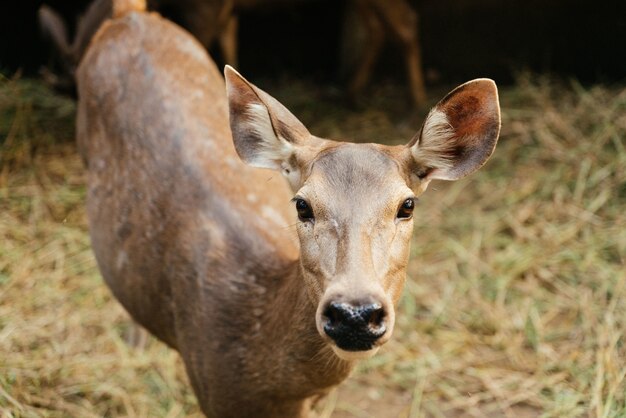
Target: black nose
354	328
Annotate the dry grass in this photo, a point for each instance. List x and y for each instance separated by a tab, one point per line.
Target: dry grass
515	307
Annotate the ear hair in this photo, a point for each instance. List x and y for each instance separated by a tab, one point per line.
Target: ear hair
459	134
435	153
265	133
258	121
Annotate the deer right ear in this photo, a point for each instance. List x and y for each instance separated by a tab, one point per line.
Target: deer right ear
265	133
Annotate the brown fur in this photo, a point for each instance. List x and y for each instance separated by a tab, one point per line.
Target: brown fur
200	248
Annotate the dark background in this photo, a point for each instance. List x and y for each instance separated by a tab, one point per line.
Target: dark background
461	39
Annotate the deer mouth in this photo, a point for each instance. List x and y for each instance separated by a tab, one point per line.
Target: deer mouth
354	355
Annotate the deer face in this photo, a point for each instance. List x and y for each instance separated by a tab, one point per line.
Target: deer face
356	217
355	202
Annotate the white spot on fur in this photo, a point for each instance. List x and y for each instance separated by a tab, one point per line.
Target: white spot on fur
435	141
252	198
292	174
216	235
100	164
272	215
231	162
121	260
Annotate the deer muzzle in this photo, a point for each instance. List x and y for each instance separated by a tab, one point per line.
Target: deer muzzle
354	327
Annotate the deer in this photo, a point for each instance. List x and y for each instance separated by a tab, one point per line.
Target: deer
213	21
380	20
271	259
207	20
383	19
69	53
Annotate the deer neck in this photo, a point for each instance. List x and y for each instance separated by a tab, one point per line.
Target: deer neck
292	326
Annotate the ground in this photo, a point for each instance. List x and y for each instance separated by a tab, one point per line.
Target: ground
514	307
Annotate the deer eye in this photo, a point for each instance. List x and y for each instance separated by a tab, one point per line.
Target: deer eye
406	209
305	213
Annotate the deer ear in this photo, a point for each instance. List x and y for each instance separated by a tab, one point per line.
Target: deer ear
265	133
53	27
459	134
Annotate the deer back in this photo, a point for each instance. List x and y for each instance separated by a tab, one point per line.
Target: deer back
177	222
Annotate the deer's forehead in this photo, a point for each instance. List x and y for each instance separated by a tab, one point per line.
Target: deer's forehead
351	174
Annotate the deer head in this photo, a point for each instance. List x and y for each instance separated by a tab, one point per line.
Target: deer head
355	202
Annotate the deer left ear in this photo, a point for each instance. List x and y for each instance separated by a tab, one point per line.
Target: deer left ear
459	134
265	133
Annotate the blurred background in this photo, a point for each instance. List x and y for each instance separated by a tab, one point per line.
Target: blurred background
516	300
460	39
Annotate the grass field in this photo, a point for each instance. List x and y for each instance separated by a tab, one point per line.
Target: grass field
515	306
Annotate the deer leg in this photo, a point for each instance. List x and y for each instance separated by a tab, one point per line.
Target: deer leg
375	37
136	336
413	60
228	41
402	22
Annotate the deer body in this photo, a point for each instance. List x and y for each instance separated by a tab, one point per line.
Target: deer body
200	248
161	171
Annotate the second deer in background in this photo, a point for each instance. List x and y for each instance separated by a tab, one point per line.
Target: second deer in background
217	21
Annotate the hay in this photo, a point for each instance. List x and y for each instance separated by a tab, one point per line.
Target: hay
515	306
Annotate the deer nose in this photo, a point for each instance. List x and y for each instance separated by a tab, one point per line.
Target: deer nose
354	327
